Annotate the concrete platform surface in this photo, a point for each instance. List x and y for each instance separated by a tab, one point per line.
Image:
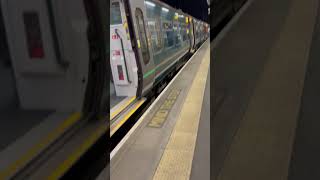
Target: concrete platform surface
147	147
259	70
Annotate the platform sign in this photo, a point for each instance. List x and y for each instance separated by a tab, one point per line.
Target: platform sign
161	115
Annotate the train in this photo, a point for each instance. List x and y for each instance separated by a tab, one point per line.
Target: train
148	42
54	64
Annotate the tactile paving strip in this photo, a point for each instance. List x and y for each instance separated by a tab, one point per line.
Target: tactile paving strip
176	161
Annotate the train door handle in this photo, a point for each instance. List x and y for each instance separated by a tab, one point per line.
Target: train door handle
124	55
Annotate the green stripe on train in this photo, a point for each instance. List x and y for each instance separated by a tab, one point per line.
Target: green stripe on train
149	73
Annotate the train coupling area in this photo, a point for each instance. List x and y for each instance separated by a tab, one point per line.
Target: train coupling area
170	138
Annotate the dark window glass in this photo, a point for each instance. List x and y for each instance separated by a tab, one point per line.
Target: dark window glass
142	36
33	34
115	17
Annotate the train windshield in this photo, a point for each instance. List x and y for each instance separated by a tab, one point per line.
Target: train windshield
115	14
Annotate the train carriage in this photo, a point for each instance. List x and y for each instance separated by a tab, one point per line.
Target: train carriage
54	62
148	41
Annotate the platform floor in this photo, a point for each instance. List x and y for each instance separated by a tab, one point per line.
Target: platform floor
260	65
305	154
169	141
201	159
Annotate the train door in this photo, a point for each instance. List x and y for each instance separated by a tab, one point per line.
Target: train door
47	74
123	63
97	94
142	44
42	38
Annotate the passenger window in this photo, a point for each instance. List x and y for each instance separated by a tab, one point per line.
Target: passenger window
154	25
115	17
184	32
177	33
33	34
155	35
142	37
170	38
168	34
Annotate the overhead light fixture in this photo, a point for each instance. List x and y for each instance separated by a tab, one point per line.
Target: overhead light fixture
165	9
150	3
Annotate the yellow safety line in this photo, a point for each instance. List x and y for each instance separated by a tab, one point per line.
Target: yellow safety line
113	130
122	107
67	164
176	161
10	170
57	173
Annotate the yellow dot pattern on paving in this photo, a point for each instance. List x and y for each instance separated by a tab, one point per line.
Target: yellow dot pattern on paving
176	161
161	116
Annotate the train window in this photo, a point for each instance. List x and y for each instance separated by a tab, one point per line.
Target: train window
168	34
158	30
33	34
153	15
115	17
184	32
142	36
177	33
155	35
170	38
167	27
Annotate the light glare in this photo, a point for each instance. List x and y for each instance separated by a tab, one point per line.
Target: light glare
150	3
165	9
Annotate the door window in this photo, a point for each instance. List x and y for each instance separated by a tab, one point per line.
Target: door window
115	17
142	41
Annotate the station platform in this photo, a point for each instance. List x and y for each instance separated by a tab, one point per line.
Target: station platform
171	139
266	93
